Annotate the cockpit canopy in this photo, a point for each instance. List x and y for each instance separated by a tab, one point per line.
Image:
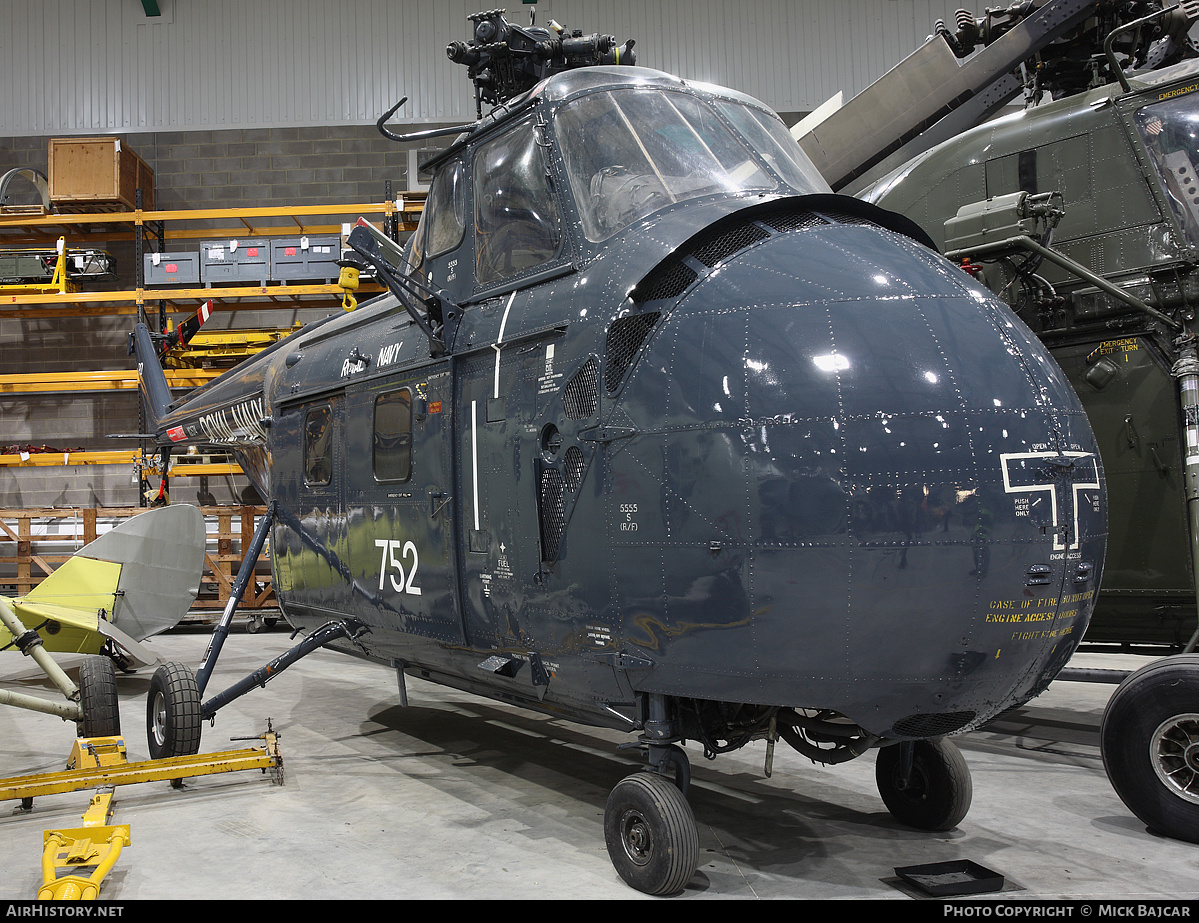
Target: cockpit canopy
601	150
631	151
1170	130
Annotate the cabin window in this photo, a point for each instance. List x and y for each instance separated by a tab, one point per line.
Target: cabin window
631	152
1170	131
769	137
318	446
392	438
446	208
414	250
517	223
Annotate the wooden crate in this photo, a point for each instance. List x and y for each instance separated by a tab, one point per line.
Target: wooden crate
99	174
37	556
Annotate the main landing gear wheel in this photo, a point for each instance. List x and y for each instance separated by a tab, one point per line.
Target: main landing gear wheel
98	698
651	834
1149	739
173	712
936	793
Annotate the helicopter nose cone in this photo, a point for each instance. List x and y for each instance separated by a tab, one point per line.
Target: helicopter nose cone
885	484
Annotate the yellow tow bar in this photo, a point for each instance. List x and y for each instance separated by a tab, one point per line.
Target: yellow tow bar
101	761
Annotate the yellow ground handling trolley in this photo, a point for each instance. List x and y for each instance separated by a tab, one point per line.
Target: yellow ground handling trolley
76	860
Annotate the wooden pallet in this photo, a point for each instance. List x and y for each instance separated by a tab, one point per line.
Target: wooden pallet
90	208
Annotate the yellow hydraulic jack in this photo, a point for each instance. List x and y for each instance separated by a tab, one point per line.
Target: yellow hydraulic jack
101	761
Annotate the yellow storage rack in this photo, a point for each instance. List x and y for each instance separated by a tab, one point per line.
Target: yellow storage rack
22	230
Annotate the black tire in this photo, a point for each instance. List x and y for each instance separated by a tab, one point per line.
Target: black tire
173	712
938	792
651	834
1149	739
98	698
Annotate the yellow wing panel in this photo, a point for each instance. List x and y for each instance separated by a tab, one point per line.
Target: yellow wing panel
70	599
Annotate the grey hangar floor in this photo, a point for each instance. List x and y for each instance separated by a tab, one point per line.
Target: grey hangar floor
459	797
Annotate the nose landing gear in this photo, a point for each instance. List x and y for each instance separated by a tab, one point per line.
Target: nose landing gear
924	783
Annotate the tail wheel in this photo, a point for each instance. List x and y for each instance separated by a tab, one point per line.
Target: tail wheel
1149	739
651	834
98	698
173	712
935	794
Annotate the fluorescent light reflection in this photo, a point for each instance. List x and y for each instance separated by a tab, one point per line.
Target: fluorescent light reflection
832	362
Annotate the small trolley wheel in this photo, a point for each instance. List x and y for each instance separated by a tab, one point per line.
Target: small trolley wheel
651	834
173	712
938	791
1149	739
98	698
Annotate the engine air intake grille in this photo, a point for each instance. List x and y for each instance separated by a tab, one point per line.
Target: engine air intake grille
935	725
625	337
579	398
793	221
846	218
575	466
669	280
553	507
711	248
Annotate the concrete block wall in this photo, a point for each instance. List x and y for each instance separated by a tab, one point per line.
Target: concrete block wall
232	168
246	167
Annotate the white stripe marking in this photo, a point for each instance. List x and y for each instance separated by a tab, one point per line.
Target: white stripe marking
474	453
499	340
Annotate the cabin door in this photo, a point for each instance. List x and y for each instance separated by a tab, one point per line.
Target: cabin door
399	514
307	475
500	402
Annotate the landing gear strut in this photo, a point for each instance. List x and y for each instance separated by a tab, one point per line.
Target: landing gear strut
175	710
649	829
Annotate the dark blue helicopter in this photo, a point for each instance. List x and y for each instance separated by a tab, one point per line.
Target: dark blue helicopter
654	432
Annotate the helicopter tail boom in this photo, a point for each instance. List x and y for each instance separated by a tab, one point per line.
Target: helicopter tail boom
151	379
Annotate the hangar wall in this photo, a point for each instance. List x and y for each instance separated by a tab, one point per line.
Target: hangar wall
273	102
99	66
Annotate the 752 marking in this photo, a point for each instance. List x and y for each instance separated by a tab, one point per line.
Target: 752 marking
391	564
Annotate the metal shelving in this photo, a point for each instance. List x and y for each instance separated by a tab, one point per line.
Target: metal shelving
112	380
19	229
23	230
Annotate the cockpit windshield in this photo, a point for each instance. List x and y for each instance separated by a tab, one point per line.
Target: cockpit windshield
631	151
1170	130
